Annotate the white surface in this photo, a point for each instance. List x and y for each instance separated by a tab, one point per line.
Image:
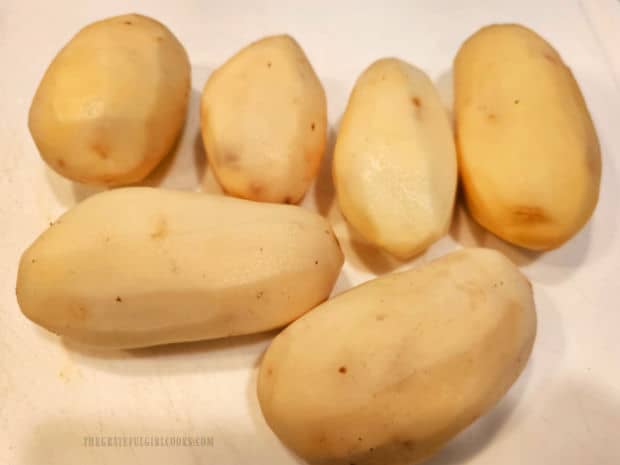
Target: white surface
564	410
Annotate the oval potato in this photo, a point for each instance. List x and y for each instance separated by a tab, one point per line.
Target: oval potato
137	267
395	163
264	122
113	102
387	372
529	155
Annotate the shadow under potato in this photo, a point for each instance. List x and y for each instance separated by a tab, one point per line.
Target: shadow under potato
230	353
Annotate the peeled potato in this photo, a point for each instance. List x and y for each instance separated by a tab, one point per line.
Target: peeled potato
264	122
139	266
395	163
389	371
529	155
112	103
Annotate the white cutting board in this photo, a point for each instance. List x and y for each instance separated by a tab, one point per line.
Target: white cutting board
565	408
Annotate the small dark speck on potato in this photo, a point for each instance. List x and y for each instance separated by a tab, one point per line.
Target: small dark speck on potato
33	260
160	38
61	162
259	294
261	249
359	439
269	64
380	317
342	370
313	126
128	23
51	224
118	299
316	262
517	101
416	101
288	200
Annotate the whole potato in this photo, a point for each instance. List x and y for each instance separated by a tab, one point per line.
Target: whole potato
529	156
138	267
388	372
112	103
395	162
264	122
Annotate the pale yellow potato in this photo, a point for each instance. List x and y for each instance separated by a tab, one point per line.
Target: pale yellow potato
113	102
388	372
264	122
395	163
139	266
529	155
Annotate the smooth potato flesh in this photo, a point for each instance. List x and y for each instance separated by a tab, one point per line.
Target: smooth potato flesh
529	155
389	371
395	162
138	267
112	102
264	122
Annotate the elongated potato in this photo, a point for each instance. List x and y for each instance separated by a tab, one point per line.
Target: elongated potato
139	266
386	373
395	162
264	122
529	156
112	102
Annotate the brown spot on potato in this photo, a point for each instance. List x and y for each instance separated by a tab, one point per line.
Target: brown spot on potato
527	214
229	158
313	126
159	38
409	444
269	371
269	64
256	189
100	149
492	117
549	57
161	229
259	295
118	298
79	312
416	101
380	317
288	199
33	261
128	23
342	370
316	262
517	101
60	162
